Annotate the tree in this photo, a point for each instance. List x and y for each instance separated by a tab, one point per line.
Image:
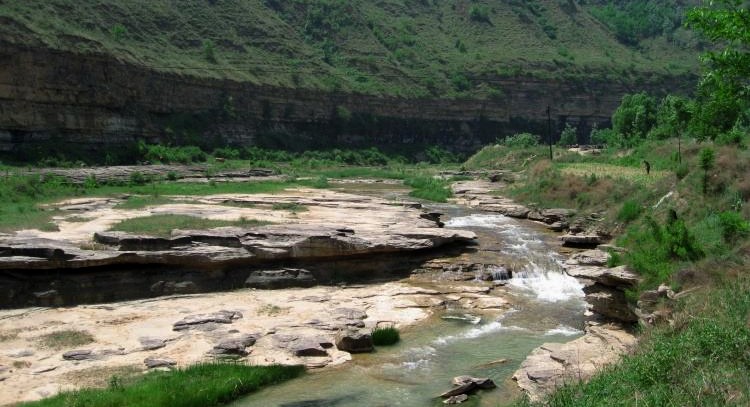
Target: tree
725	86
569	136
635	118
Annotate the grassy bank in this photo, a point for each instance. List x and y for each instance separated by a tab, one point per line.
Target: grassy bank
702	360
201	385
685	225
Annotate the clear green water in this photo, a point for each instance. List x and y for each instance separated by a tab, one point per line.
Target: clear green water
548	307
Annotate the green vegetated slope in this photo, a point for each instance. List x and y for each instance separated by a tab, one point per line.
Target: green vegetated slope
394	47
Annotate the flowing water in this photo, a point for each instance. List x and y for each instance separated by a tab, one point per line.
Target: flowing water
548	307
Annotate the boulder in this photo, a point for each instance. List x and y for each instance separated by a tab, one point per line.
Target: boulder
284	278
307	347
465	388
79	354
235	346
153	362
582	240
609	302
220	317
354	341
556	215
481	382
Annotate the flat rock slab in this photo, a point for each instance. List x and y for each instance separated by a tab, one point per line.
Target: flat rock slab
153	362
617	277
79	354
594	257
220	317
235	346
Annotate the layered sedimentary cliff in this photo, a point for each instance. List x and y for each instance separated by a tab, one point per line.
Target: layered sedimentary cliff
84	103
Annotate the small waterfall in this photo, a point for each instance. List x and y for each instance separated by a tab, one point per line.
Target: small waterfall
535	267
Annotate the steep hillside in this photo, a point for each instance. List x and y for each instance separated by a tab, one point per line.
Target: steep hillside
405	48
311	74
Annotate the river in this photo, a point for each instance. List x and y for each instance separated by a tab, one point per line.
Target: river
548	306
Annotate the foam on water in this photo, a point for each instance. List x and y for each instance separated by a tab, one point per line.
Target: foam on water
473	333
478	221
537	269
563	330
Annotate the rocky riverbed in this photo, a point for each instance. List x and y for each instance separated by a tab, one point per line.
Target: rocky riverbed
283	315
287	326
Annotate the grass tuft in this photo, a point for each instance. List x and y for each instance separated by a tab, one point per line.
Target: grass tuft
202	385
386	336
429	188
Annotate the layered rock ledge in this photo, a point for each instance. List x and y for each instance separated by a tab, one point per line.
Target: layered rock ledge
337	237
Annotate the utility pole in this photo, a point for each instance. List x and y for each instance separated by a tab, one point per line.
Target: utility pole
549	131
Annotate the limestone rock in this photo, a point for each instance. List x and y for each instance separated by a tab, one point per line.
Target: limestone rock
149	343
153	362
308	347
594	257
481	382
220	317
354	341
554	364
79	354
464	388
235	346
617	277
582	240
609	302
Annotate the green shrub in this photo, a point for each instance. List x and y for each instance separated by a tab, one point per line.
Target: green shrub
630	211
138	178
733	226
655	249
385	336
521	140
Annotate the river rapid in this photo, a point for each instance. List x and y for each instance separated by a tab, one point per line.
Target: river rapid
548	306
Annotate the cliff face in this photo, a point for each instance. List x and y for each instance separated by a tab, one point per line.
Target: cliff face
94	104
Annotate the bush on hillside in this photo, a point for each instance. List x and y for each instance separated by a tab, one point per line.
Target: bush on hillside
521	140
